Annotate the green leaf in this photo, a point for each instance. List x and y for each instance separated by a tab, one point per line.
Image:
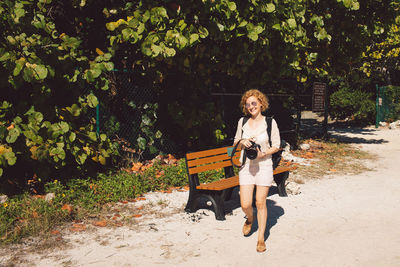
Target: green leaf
64	127
92	101
258	29
156	50
10	157
146	120
1	172
75	110
221	27
292	23
72	137
270	7
111	26
203	32
19	64
242	24
103	137
397	20
95	72
158	134
19	12
277	26
92	136
81	158
232	6
12	135
142	143
127	33
193	38
5	56
41	71
253	36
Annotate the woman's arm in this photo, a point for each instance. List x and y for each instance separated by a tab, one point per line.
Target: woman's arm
238	136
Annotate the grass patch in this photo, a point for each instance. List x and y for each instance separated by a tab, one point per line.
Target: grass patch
331	157
80	199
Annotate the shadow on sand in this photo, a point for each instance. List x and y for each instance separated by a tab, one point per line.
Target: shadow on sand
311	128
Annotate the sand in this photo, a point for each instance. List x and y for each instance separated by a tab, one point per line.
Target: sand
351	220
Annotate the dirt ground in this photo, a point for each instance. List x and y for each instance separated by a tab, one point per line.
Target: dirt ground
341	220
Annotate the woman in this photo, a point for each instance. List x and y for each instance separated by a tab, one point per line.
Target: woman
257	172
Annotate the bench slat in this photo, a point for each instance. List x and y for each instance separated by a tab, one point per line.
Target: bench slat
207	160
220	184
207	153
214	166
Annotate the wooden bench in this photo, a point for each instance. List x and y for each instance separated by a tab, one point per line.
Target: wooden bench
219	191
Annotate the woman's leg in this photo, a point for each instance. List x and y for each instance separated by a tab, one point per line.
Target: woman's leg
246	200
261	204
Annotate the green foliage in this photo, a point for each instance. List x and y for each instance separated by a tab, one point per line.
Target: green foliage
393	95
45	103
354	104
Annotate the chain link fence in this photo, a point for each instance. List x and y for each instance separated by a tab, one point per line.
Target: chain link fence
125	108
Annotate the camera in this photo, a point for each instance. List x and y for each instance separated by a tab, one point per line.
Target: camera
251	152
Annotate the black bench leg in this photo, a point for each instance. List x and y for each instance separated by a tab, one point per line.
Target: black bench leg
191	205
228	193
280	180
217	200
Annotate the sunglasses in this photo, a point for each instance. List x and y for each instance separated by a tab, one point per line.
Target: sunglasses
254	104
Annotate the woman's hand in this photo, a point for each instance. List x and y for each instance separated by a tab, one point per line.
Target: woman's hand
261	154
246	142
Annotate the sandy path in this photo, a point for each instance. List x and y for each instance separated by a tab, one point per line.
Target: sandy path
335	221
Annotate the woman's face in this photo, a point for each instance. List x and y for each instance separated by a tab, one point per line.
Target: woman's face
253	106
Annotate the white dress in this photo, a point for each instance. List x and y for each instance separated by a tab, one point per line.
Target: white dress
258	171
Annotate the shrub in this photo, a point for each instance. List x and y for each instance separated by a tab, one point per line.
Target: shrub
393	95
354	104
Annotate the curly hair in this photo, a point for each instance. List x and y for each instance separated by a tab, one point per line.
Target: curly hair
262	98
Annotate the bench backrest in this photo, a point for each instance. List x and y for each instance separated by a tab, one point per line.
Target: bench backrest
210	160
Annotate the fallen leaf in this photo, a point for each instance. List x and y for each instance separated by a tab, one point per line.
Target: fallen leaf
35	214
141	198
55	232
137	215
140	208
100	223
333	170
78	227
125	201
67	208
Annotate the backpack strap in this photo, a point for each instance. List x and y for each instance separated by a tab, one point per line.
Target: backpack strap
245	119
269	126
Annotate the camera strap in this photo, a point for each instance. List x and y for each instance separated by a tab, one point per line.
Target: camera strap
233	154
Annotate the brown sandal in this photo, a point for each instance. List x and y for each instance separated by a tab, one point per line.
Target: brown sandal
247	227
261	246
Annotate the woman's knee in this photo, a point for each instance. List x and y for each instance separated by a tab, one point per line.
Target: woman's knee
246	205
261	203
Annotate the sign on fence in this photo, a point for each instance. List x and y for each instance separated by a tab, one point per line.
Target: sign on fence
318	97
